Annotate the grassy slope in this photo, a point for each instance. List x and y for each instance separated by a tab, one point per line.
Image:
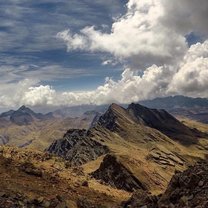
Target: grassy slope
56	179
134	144
41	133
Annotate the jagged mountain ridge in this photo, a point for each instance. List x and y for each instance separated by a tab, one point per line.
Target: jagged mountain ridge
139	144
112	172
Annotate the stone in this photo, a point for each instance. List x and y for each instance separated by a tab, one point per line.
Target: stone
78	148
1	149
85	183
114	173
201	183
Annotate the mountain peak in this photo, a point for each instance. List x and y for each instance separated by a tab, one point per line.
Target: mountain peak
24	108
135	105
115	106
112	117
25	116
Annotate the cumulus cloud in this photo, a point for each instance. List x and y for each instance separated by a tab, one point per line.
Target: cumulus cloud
192	75
41	95
150	37
139	35
188	77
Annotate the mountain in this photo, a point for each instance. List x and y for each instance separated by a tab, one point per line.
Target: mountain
175	102
143	148
25	128
180	106
129	157
77	111
165	123
24	116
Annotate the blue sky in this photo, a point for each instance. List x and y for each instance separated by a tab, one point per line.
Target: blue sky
69	52
28	32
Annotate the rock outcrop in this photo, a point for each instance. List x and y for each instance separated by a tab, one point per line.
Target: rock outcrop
77	147
142	199
114	173
188	189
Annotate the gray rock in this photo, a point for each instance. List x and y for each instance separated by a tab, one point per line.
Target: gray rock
78	147
114	173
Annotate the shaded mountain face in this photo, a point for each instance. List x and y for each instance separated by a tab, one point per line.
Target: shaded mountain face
24	116
150	144
165	123
193	108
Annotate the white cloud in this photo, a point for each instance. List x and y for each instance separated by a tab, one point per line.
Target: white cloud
151	37
139	35
152	33
188	77
41	95
192	76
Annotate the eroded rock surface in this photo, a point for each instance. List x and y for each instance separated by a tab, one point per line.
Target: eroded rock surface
77	147
114	173
188	189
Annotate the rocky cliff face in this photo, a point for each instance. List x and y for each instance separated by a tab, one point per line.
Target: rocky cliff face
77	147
114	173
187	189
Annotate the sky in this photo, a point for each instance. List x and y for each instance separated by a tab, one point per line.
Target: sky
69	52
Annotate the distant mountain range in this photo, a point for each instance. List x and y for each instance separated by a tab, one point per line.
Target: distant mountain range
176	102
25	128
193	108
